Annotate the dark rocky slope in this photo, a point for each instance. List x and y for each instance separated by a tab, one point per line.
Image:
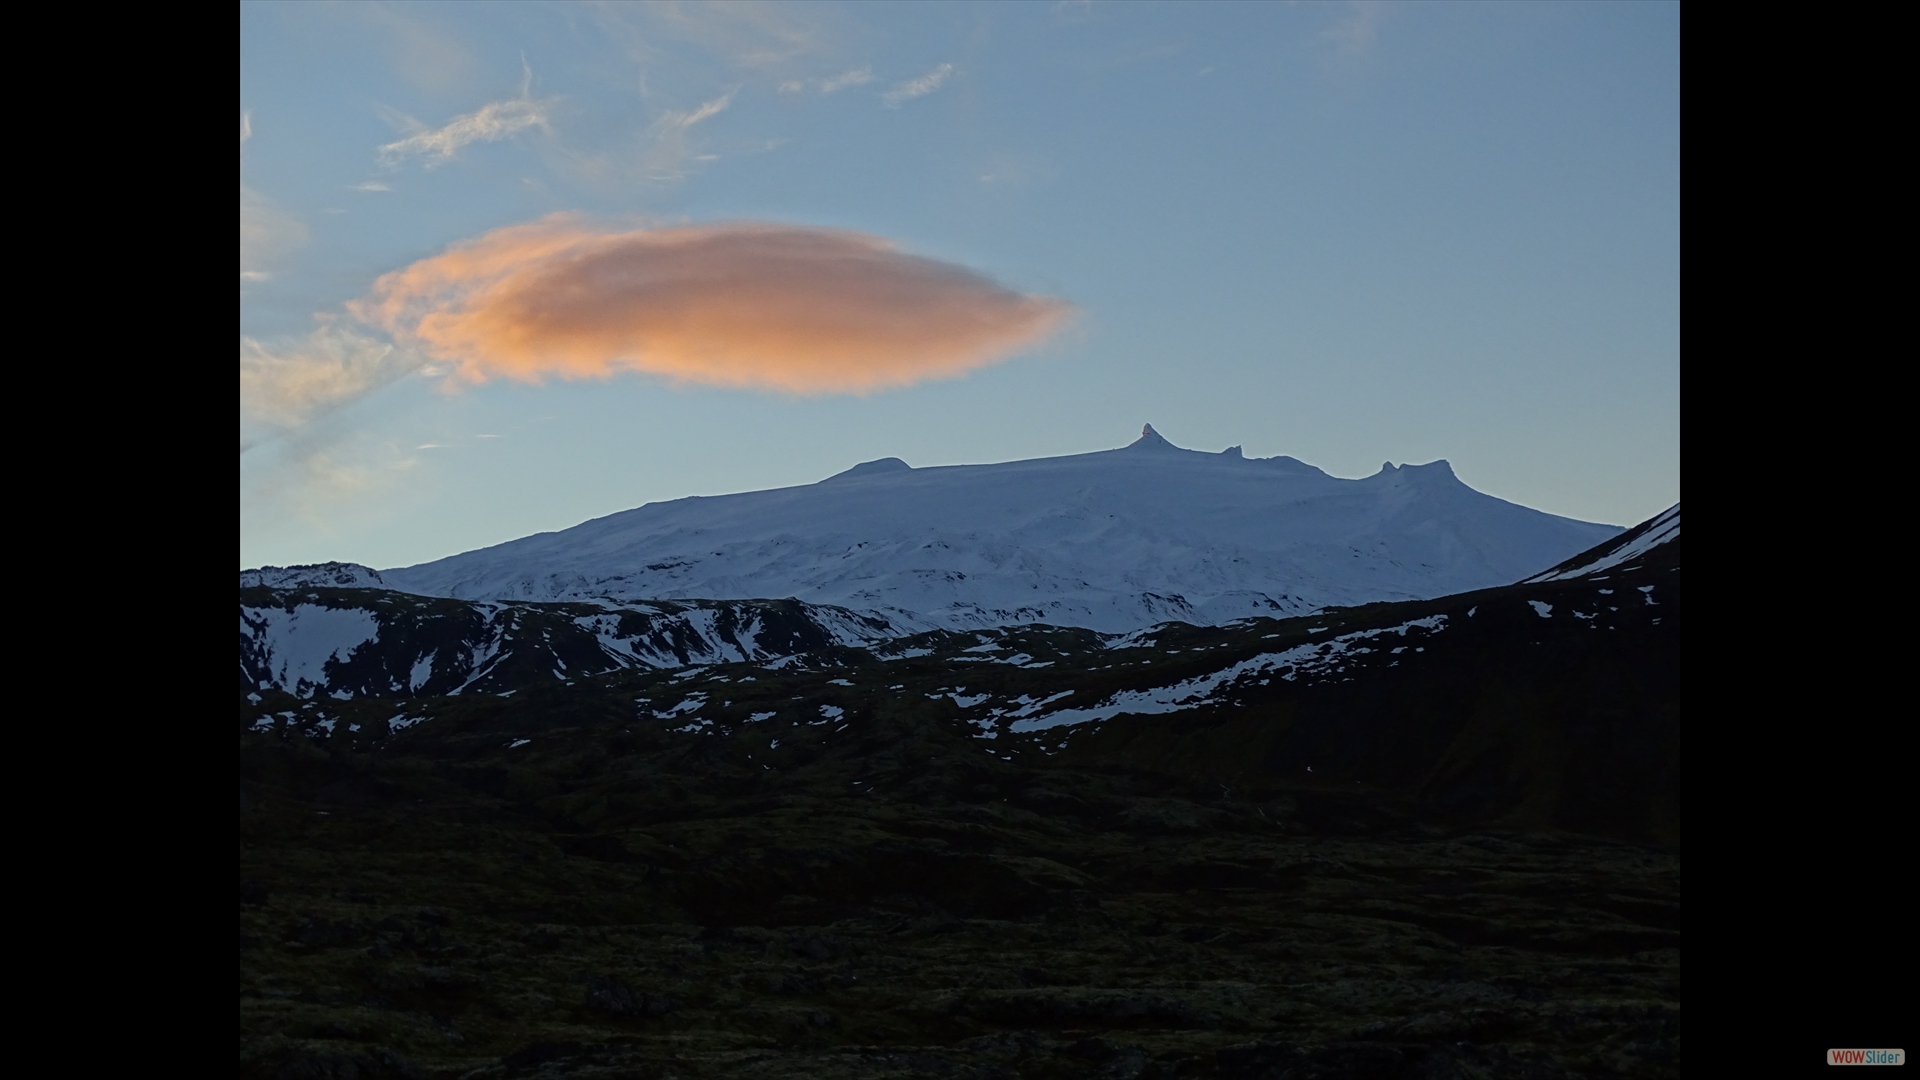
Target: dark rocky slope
877	862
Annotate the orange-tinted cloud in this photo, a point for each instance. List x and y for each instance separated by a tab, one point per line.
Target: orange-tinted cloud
748	304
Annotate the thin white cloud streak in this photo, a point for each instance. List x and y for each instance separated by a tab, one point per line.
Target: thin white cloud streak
286	386
246	126
669	148
920	87
493	122
856	77
711	109
664	152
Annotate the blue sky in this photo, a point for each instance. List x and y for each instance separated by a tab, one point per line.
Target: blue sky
1348	232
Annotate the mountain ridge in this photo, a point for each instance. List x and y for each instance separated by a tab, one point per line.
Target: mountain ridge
1111	540
323	641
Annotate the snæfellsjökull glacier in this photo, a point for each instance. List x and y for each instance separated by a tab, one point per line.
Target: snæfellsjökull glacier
1113	541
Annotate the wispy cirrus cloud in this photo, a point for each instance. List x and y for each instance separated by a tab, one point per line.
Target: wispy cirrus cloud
493	122
856	77
744	304
490	123
920	87
669	146
681	121
285	386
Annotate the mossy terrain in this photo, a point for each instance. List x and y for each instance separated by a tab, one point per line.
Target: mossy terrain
850	865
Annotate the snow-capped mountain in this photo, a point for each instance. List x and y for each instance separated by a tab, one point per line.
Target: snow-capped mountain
1624	552
1113	541
315	641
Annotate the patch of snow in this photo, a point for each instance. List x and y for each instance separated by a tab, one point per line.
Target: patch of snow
1657	530
1028	706
1544	610
487	654
295	646
624	651
1132	639
691	703
1309	659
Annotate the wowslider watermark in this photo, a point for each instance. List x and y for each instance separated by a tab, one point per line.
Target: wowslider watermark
1866	1057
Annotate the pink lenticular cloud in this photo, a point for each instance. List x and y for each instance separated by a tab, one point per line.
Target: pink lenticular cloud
748	304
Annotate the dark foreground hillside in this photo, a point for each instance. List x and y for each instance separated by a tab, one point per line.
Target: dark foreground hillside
1434	847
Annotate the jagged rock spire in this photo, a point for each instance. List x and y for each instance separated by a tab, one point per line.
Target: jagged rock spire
1151	440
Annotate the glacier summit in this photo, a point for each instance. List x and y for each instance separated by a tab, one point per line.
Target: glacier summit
1112	541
